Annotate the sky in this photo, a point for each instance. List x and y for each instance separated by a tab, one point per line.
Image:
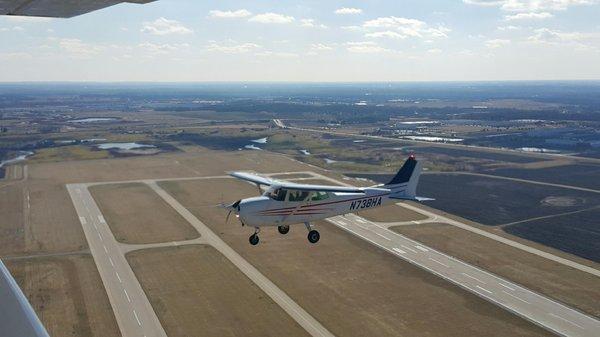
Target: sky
312	40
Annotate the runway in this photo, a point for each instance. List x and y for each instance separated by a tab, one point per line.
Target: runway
134	313
131	307
521	301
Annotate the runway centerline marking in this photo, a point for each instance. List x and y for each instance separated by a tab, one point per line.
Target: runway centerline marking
111	261
474	278
505	286
119	277
421	248
514	296
383	236
137	318
443	264
127	295
408	248
487	291
105	250
566	320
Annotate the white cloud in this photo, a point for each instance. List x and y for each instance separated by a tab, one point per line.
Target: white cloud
366	47
388	33
434	51
320	47
531	5
272	18
529	16
15	56
26	19
496	43
152	49
79	49
162	26
348	11
268	53
406	27
240	13
508	28
577	40
14	29
232	48
310	23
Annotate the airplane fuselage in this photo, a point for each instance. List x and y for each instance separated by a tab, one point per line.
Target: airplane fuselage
264	211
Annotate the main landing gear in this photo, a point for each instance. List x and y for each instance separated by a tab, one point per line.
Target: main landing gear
313	235
283	229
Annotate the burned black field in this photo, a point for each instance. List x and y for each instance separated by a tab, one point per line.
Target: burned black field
561	218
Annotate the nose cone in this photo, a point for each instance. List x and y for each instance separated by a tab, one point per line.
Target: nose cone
249	209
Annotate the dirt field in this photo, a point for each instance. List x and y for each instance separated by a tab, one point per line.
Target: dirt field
352	287
195	291
11	219
136	215
67	294
570	286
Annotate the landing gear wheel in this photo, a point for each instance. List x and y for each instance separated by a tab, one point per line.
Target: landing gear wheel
253	239
313	236
283	229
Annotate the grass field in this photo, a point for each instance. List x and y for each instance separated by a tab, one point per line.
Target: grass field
67	294
12	236
575	288
136	215
352	287
581	175
195	291
67	153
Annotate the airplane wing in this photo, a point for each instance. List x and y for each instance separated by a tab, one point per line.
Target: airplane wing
253	178
17	317
57	8
293	186
319	188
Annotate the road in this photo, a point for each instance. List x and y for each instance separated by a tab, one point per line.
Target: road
519	300
132	309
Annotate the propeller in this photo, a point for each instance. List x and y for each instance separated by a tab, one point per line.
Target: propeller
233	207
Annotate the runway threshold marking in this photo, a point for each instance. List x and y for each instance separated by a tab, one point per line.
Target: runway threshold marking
101	219
82	220
422	249
399	251
409	249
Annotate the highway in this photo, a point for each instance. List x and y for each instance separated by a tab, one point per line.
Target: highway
519	300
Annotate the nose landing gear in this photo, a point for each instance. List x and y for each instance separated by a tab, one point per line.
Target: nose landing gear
283	229
254	239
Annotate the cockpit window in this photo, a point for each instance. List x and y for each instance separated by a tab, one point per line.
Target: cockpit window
319	196
298	195
278	194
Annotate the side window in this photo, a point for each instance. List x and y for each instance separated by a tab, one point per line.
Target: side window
298	195
280	196
320	196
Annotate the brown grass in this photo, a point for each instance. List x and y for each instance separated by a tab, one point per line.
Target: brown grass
195	291
137	215
67	294
570	286
11	219
352	287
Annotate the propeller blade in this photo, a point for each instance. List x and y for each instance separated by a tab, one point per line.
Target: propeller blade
227	218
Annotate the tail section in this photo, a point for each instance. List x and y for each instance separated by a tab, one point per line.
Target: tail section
404	183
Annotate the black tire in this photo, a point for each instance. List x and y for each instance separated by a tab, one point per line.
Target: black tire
253	239
283	229
313	236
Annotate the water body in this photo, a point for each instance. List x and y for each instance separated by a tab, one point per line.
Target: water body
434	139
252	147
330	161
92	120
123	146
305	152
260	140
20	157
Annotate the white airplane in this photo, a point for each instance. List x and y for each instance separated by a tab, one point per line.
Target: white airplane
285	203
